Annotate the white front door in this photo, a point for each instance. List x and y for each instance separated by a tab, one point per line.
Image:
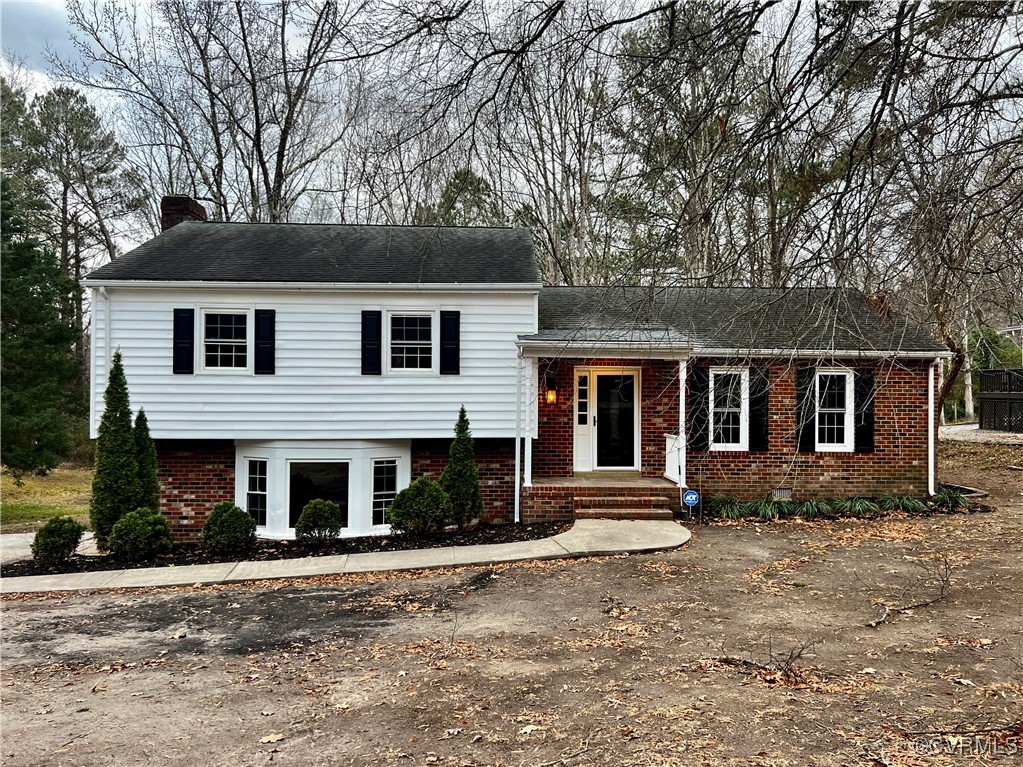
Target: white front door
607	419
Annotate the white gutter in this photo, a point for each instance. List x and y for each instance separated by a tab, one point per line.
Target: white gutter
931	489
320	287
633	349
518	435
818	353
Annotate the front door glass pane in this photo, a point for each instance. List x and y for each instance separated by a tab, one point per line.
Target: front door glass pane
616	421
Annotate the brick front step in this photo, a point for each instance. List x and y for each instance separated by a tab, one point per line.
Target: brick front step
621	501
618	513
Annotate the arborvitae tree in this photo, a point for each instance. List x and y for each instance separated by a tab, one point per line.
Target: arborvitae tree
145	455
460	478
115	483
38	366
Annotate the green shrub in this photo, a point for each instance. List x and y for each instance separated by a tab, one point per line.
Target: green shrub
813	508
902	503
855	507
726	506
420	509
319	522
949	499
764	508
460	478
786	508
228	530
145	456
56	541
140	535
115	483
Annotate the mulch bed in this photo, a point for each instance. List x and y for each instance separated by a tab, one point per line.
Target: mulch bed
265	551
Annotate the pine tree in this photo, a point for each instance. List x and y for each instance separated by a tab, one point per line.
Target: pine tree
37	366
460	478
115	483
145	455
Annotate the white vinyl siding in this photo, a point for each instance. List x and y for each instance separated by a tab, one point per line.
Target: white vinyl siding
318	391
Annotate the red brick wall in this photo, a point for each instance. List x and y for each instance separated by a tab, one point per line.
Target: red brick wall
194	475
898	464
495	460
552	450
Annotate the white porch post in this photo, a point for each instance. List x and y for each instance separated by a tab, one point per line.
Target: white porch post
518	435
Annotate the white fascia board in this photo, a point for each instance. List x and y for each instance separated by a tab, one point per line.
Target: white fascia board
322	287
819	353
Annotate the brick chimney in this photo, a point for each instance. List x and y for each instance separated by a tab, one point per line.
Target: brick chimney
175	208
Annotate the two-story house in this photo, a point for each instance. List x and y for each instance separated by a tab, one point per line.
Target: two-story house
278	363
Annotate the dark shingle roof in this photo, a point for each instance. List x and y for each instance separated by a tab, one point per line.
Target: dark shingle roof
336	253
743	319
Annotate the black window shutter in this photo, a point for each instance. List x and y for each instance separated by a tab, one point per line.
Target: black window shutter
758	411
699	408
266	320
863	396
372	347
806	409
449	343
184	341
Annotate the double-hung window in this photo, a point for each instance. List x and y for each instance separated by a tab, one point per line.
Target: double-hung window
225	339
411	341
833	397
385	487
729	409
255	496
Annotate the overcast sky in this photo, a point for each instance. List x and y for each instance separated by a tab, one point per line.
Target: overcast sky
29	28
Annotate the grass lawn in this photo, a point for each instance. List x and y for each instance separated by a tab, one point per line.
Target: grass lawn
26	508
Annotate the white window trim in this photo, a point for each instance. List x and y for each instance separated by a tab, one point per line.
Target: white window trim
434	340
848	445
743	443
397	485
246	460
249	345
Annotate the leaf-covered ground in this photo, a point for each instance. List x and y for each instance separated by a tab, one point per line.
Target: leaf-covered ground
750	647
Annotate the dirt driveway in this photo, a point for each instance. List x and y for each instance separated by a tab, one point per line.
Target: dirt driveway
749	647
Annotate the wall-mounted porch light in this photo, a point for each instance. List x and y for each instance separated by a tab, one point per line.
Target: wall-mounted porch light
550	389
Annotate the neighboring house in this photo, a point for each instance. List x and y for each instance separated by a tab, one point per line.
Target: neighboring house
283	362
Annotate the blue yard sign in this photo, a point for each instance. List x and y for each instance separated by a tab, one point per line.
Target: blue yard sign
690	498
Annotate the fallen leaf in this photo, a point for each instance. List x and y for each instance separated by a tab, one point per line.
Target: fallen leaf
272	737
869	670
965	682
530	728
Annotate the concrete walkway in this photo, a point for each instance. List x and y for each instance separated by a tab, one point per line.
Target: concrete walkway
587	537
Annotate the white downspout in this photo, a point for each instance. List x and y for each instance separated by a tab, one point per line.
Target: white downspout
518	435
683	371
930	427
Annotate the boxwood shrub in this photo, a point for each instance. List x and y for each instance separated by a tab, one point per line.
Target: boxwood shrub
56	541
319	522
140	535
419	510
228	530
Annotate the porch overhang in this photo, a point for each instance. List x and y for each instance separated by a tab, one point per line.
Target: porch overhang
630	346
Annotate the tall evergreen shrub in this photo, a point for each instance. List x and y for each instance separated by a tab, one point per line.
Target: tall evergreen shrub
115	483
145	455
460	478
